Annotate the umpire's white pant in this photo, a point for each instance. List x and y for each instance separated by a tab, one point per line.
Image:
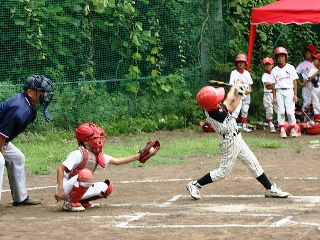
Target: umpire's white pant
14	160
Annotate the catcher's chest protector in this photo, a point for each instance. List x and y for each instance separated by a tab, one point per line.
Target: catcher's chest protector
88	161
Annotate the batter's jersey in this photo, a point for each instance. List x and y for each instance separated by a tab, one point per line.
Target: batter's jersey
76	157
304	68
222	121
243	78
16	114
283	77
266	77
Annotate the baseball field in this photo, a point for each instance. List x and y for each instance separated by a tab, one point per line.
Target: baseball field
151	202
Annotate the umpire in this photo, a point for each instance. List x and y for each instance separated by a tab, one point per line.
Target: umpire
15	115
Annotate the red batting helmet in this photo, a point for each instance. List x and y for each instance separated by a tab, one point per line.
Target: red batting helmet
280	50
208	97
312	48
267	60
241	58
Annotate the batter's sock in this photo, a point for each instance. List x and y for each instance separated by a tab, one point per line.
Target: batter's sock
205	180
264	181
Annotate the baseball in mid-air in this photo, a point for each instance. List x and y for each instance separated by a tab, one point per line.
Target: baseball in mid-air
151	149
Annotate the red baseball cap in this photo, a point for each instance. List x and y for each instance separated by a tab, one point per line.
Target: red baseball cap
312	48
317	56
267	60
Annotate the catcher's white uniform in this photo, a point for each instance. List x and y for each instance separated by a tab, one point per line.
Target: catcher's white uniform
72	161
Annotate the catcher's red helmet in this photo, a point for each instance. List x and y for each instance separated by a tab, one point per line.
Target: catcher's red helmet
280	50
85	175
241	58
208	97
267	60
312	48
89	130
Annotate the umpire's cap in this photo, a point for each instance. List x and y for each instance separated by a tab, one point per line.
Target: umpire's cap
37	82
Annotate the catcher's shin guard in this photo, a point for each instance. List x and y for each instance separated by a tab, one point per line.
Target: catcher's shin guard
102	194
85	179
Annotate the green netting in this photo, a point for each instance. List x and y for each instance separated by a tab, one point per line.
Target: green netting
109	60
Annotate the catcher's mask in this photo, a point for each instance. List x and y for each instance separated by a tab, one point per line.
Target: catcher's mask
40	84
90	131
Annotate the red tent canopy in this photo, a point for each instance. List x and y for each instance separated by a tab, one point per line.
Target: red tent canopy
283	12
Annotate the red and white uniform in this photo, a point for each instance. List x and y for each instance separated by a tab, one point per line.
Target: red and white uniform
245	79
283	78
304	68
268	96
72	161
315	93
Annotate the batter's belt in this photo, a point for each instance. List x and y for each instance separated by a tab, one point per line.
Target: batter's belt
233	134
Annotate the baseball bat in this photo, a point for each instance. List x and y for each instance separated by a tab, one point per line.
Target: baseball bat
217	83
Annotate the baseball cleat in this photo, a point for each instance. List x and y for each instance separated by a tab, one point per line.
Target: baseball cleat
293	133
28	201
275	192
73	207
194	190
88	204
272	129
283	133
245	129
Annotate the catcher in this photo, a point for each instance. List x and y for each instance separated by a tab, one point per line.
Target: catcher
75	175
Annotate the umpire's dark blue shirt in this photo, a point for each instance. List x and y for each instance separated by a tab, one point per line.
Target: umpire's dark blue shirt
15	115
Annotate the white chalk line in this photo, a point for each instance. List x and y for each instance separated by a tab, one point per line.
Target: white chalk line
171	180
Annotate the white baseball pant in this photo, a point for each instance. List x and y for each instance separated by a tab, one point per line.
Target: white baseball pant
243	107
93	191
285	105
268	104
233	147
306	95
14	161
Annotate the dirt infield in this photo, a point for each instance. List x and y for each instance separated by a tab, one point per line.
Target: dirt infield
152	202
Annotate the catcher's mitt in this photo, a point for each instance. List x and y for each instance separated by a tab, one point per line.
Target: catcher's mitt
150	150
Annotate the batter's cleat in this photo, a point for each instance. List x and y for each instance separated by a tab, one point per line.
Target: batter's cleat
283	133
73	207
88	204
27	202
275	192
194	190
293	133
245	129
272	129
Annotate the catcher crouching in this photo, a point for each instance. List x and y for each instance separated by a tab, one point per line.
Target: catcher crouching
75	184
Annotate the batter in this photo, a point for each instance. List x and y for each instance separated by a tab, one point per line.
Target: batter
231	144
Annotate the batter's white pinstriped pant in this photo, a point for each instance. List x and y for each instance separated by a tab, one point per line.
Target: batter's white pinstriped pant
233	147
